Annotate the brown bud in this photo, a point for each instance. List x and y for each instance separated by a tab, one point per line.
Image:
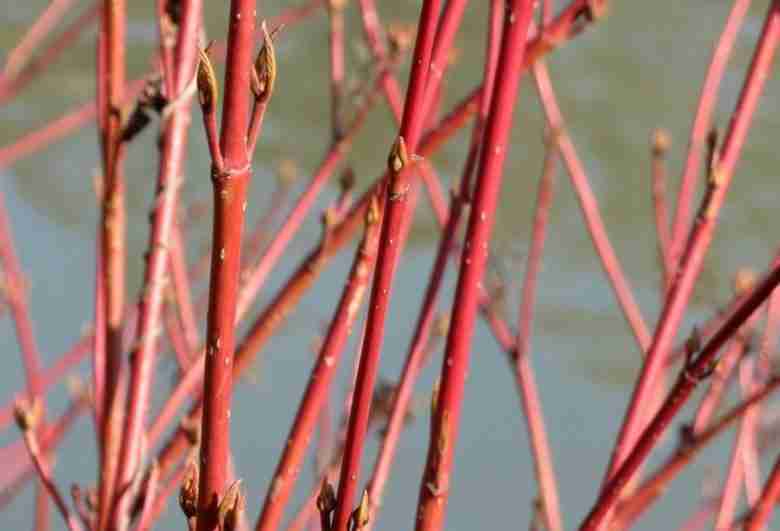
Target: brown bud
231	506
442	325
264	72
693	343
744	280
398	157
374	211
360	516
27	414
435	397
208	89
188	494
347	181
661	142
326	500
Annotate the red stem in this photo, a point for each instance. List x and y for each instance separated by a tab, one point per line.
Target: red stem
299	282
435	482
182	290
699	241
590	211
176	121
40	29
738	465
701	127
762	511
659	150
10	87
111	244
631	508
230	188
44	474
687	382
317	389
391	243
416	353
540	447
294	220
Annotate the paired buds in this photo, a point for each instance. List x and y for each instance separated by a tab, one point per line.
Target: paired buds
326	505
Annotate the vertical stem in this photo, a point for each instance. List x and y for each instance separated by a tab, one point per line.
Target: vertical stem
416	352
435	481
230	186
391	241
111	247
321	377
540	447
175	123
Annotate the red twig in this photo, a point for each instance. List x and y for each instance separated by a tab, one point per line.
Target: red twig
111	245
416	352
11	86
700	129
391	243
321	377
699	241
336	36
436	478
590	210
182	290
543	462
230	186
660	147
20	54
689	378
689	448
18	469
728	362
27	417
150	496
175	122
301	280
336	154
738	470
762	510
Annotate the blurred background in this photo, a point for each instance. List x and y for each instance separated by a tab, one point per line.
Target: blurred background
638	69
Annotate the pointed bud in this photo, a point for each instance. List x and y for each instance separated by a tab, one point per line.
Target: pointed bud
374	212
398	157
434	397
264	72
744	281
661	142
188	494
231	506
360	516
326	500
347	181
693	343
208	89
27	414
